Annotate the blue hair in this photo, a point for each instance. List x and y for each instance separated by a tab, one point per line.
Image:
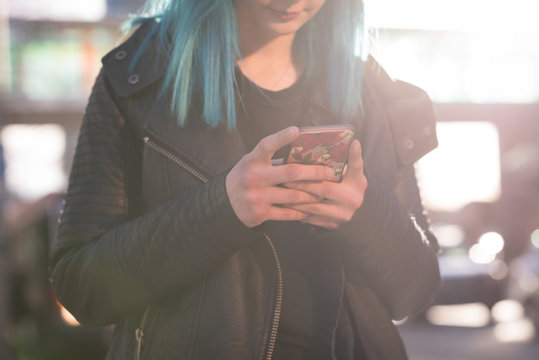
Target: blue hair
200	37
329	45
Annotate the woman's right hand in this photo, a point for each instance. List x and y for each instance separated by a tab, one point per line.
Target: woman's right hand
252	184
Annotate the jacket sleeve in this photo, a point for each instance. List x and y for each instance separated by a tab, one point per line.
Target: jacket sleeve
110	261
388	246
388	243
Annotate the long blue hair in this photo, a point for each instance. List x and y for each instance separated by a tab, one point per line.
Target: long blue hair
200	37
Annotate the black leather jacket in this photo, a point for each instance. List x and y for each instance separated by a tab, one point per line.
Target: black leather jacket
148	240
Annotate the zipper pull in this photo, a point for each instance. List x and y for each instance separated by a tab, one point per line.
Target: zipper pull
139	334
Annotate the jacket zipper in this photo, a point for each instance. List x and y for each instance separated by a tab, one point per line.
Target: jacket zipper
274	327
139	333
184	164
278	300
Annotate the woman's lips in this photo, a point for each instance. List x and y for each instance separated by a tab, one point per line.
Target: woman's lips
285	15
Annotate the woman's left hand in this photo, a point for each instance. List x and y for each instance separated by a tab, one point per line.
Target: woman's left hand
339	200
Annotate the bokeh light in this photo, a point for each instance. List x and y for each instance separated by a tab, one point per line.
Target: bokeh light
535	238
448	235
485	251
498	269
492	242
480	255
515	331
507	310
464	315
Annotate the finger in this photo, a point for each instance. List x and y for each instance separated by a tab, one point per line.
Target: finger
355	161
320	221
277	213
289	196
324	190
346	197
297	172
327	209
268	145
323	208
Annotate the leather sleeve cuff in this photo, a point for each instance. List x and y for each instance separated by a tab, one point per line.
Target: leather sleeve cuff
379	213
226	223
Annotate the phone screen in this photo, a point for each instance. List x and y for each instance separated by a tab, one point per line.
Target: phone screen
326	145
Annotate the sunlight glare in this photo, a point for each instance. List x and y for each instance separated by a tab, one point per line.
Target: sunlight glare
457	15
68	318
489	52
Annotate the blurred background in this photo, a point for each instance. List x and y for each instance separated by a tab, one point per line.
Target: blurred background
479	61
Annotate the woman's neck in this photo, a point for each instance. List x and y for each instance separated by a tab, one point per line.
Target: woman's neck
267	59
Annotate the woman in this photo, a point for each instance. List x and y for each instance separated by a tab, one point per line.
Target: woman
178	229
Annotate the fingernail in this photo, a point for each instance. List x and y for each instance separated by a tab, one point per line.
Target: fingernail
356	146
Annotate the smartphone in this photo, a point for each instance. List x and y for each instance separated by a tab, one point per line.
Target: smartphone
322	145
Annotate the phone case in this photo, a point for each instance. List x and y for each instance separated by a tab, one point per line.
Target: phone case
322	145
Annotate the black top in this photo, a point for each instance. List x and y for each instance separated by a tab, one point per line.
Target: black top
263	112
301	335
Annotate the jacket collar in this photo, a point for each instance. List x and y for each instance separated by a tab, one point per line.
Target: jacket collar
213	150
197	143
130	70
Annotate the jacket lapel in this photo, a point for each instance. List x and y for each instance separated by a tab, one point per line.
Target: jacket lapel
212	150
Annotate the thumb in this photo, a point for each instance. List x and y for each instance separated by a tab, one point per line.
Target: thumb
268	145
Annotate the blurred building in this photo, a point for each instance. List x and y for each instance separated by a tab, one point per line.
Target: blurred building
50	54
2	170
121	7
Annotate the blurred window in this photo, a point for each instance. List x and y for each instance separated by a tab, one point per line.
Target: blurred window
34	159
93	10
55	61
56	45
464	168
